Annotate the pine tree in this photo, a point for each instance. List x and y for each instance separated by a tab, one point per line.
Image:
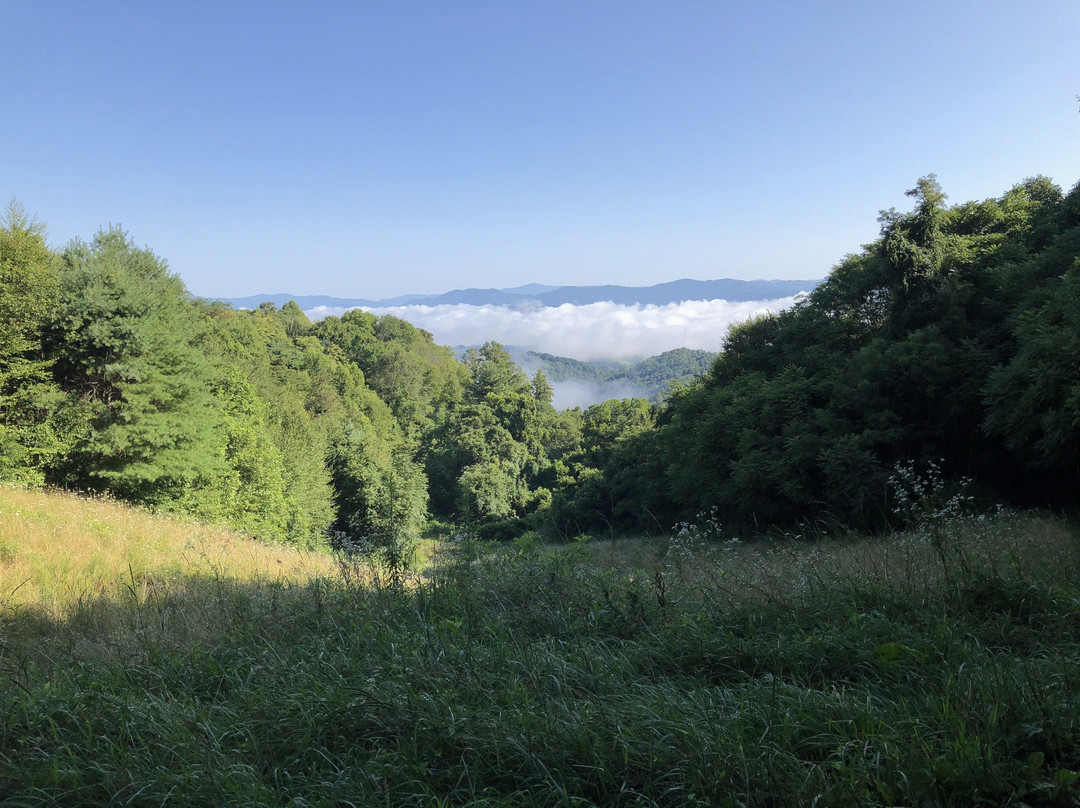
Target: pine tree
123	336
29	400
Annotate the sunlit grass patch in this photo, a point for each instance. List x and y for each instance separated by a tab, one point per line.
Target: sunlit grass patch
57	549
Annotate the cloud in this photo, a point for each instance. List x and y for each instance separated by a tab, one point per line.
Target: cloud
583	394
595	331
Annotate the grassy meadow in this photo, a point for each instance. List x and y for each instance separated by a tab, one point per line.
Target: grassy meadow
149	661
59	549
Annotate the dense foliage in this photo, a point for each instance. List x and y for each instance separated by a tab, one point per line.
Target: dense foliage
952	338
30	433
348	432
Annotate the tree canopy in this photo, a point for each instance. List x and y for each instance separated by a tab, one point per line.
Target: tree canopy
953	338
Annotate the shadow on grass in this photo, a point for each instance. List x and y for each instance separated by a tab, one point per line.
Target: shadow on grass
778	674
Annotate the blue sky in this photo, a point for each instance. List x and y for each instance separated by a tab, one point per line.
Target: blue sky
372	149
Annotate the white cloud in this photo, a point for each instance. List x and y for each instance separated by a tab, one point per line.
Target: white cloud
596	331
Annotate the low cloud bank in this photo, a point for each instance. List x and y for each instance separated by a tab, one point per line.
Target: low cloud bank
596	331
566	395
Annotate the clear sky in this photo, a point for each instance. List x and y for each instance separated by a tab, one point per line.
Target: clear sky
368	149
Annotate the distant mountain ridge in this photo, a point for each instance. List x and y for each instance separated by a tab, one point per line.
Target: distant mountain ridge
534	294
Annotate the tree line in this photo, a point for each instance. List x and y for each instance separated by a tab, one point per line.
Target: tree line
355	430
953	338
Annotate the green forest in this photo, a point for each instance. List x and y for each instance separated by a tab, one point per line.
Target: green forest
950	340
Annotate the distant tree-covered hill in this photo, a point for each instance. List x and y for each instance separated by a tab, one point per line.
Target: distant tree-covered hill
581	383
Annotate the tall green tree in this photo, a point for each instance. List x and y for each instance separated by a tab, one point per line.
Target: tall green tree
487	457
31	433
601	481
381	495
123	335
415	377
248	491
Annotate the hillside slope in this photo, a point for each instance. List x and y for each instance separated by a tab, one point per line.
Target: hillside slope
58	549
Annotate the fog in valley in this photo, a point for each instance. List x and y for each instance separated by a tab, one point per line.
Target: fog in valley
598	331
568	394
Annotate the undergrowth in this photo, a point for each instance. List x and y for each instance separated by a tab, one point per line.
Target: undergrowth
933	667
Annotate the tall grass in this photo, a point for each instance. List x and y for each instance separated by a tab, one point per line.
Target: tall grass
934	668
58	549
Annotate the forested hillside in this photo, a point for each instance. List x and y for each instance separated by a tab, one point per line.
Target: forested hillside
650	378
952	339
354	430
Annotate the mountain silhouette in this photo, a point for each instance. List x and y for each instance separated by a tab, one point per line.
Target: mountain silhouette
660	294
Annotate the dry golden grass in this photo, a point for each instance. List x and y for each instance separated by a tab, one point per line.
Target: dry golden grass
58	549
